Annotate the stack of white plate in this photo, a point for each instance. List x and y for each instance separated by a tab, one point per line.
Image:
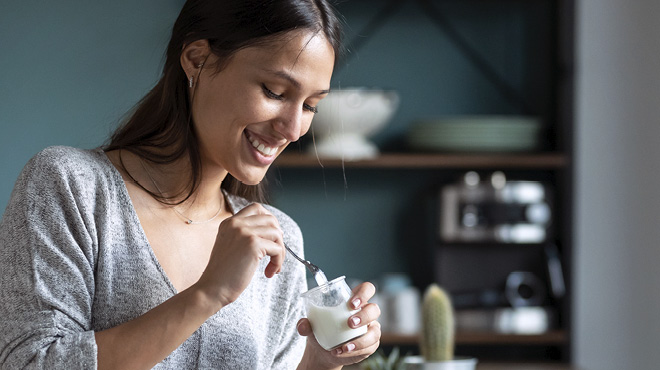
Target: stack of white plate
476	133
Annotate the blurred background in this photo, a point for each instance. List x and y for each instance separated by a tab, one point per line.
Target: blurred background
511	157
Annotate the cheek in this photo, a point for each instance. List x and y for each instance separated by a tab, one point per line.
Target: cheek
305	126
206	108
216	113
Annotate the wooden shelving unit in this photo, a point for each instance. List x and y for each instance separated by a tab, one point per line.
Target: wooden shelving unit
417	173
504	366
556	337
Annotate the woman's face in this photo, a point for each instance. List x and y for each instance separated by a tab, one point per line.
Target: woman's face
263	99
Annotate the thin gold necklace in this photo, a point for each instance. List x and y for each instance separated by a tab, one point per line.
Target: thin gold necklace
185	218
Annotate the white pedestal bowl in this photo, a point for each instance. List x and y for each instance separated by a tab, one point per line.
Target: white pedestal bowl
347	117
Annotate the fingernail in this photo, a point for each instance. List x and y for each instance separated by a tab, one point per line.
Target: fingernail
350	347
355	320
356	302
338	351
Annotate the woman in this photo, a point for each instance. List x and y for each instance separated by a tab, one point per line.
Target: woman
151	252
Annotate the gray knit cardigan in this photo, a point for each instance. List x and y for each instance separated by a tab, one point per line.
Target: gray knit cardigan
75	260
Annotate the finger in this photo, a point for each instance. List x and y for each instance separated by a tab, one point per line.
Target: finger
368	313
252	209
266	232
361	294
266	226
356	354
259	219
304	327
276	253
256	209
262	225
364	343
247	218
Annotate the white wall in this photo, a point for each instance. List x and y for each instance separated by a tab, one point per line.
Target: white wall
617	269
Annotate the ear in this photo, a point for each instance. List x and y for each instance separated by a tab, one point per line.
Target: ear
194	55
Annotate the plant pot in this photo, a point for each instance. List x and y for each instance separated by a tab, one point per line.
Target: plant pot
459	363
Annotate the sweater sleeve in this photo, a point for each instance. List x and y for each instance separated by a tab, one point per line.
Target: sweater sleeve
291	346
47	256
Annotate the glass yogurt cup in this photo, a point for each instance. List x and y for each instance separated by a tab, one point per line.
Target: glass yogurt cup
328	312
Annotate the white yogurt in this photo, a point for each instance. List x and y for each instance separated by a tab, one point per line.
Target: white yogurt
330	325
320	278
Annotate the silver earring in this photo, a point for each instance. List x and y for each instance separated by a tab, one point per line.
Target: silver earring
190	82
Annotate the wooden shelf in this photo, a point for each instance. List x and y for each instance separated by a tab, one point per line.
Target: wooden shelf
523	366
557	337
431	161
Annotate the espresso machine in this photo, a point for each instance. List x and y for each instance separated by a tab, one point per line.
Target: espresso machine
494	210
495	253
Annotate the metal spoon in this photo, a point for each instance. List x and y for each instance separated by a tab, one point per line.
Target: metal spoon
319	276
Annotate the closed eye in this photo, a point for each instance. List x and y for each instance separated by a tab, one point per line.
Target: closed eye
269	93
310	108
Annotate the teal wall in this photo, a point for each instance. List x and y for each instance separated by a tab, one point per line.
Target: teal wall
69	70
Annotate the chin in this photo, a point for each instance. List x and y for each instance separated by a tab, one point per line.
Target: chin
251	183
250	180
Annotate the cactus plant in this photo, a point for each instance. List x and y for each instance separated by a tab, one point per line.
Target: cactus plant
437	340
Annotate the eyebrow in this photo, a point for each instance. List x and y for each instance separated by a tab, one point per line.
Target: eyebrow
292	80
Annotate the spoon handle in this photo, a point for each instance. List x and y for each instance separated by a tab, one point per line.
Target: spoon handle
310	266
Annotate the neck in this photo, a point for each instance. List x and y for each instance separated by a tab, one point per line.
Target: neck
170	181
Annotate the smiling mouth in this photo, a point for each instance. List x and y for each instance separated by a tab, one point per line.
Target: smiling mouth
261	147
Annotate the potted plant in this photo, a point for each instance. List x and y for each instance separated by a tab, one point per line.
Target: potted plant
437	336
378	361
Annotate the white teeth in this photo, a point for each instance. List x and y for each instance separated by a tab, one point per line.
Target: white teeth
265	150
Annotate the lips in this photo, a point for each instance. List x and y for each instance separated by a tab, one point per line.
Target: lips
261	147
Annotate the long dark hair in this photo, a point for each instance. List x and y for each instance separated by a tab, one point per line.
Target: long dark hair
163	118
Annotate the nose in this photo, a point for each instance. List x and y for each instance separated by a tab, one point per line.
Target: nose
291	123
